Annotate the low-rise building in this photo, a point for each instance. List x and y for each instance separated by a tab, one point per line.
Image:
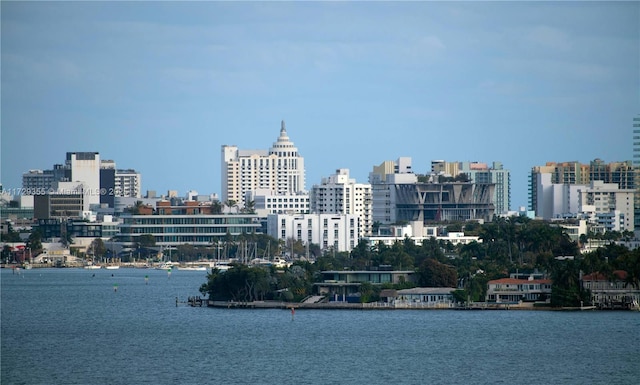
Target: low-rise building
611	292
194	229
267	202
338	232
425	297
339	285
516	290
418	233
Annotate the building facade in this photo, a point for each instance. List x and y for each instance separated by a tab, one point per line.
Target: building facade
127	183
171	230
339	194
611	292
101	180
556	189
516	290
344	286
337	232
268	202
607	206
281	169
481	173
402	197
418	233
85	168
382	180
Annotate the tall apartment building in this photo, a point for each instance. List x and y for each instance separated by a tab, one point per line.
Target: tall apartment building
609	207
281	169
127	183
339	194
381	179
38	182
554	187
481	173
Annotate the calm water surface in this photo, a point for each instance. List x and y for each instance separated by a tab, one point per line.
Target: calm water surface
67	326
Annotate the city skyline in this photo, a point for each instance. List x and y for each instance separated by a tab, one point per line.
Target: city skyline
160	86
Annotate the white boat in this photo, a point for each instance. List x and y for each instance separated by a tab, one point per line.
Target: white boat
280	263
93	267
166	266
222	266
112	267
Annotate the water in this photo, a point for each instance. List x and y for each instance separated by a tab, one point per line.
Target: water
65	326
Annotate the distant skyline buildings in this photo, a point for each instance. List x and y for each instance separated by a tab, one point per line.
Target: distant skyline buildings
101	180
280	169
556	188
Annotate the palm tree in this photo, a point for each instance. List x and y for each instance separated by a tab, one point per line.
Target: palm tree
216	207
249	207
230	203
135	209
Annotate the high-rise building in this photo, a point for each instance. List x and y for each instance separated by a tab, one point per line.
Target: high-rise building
405	197
280	169
481	173
339	194
85	168
38	182
608	207
127	183
382	179
555	187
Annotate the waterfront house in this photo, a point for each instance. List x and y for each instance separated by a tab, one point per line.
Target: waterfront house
425	297
516	290
610	292
340	284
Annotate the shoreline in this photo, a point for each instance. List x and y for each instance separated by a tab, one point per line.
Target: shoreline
380	306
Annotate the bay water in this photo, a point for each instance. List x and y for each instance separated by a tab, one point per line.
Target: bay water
76	326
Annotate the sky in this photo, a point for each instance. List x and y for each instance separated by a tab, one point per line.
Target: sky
160	86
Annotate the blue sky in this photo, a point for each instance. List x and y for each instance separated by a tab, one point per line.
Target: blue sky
160	86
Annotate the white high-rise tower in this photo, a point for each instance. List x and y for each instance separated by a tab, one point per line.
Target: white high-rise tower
279	169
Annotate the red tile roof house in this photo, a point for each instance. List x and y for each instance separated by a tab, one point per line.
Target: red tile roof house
512	290
611	291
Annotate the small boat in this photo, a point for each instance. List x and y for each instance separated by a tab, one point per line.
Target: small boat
166	266
93	267
112	267
280	263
